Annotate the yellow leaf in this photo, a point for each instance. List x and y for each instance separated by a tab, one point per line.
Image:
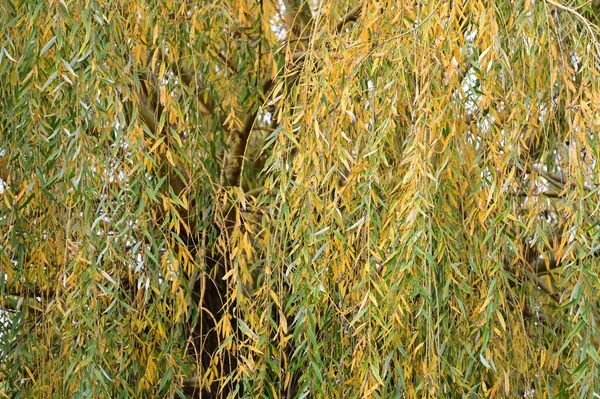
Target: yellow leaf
83	260
170	158
501	320
108	277
229	274
485	304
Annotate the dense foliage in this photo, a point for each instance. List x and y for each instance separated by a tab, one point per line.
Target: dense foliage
277	198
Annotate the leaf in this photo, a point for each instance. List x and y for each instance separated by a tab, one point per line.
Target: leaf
246	330
484	362
47	45
108	277
50	80
69	68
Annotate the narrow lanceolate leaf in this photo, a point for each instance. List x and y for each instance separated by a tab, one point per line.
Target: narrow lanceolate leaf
47	46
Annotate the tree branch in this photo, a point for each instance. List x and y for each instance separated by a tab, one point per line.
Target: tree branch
553	178
547	194
541	265
555	297
225	60
149	106
27	290
188	77
235	157
146	113
15	303
350	16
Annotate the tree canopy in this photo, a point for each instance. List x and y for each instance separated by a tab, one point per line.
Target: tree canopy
291	199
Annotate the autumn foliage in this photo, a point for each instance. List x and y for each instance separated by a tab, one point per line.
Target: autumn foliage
288	199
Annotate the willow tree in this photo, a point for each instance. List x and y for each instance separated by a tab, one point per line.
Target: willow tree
279	199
